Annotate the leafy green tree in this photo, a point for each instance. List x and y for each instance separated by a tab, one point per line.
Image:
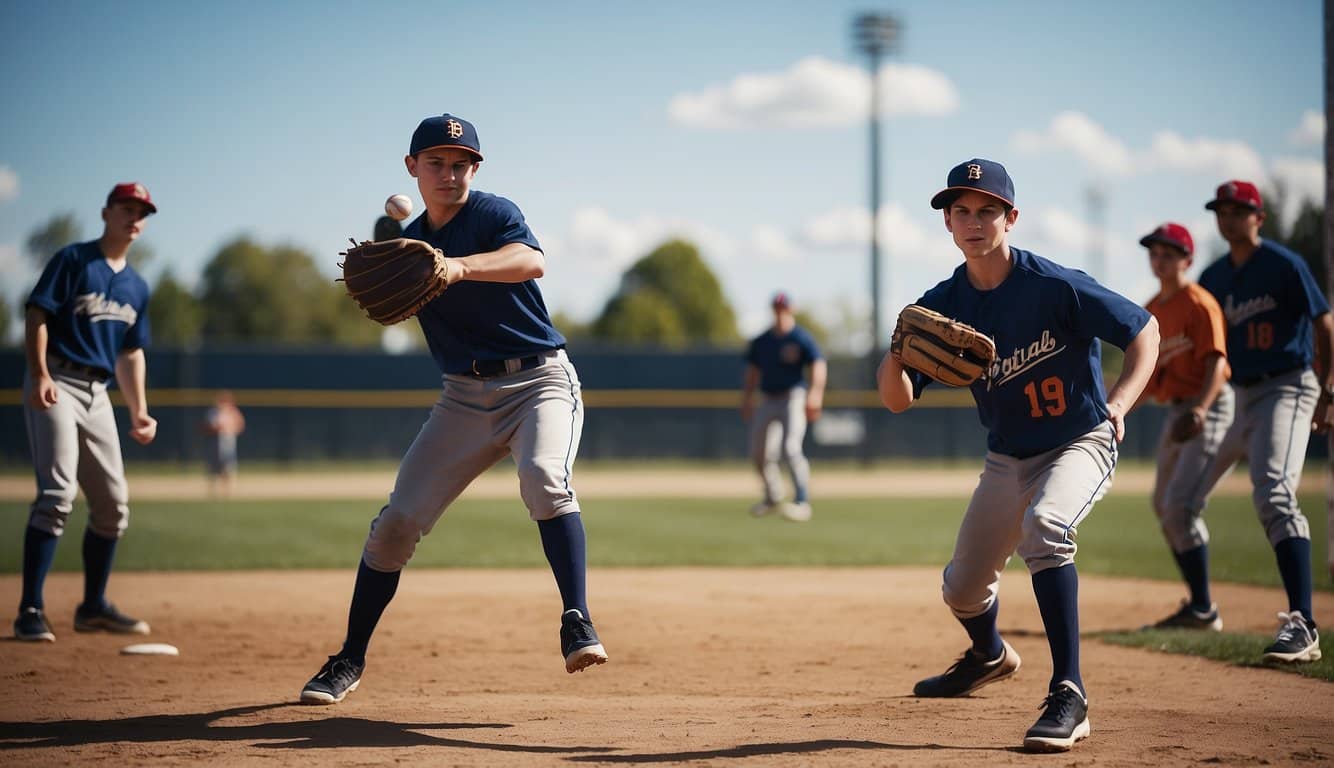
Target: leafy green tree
254	293
59	231
7	317
175	314
573	330
1305	234
671	280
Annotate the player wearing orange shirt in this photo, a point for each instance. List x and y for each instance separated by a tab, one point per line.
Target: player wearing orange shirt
1191	377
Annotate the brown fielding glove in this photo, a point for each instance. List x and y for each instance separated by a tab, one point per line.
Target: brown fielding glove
392	279
1186	426
948	351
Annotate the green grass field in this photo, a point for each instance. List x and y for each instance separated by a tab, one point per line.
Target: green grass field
1120	538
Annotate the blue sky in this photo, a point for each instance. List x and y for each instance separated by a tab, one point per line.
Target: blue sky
614	125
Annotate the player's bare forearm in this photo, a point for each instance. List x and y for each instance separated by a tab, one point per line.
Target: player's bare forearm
131	373
1324	349
1213	382
35	336
511	263
748	385
893	384
1140	359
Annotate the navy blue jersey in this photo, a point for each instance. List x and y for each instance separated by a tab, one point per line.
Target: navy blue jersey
1269	303
479	320
782	359
94	312
1046	387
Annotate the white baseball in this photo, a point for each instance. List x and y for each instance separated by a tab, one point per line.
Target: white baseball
399	207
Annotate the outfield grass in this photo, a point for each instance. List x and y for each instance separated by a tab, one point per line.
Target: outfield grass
1120	538
1243	650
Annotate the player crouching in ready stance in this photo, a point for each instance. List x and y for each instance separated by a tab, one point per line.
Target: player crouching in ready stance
1052	434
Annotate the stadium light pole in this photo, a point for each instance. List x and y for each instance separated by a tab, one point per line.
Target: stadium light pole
875	35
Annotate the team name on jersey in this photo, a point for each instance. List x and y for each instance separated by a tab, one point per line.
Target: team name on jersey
1173	346
1024	358
1239	313
99	308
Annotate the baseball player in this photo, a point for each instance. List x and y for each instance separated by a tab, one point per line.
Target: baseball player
1191	377
508	389
1274	310
776	363
1052	435
86	321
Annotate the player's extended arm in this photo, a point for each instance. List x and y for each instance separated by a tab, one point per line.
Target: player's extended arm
131	371
1324	361
35	337
1213	383
893	384
1141	357
511	263
815	395
748	385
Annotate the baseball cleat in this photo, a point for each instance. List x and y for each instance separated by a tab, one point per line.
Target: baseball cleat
1065	720
797	512
1297	642
970	673
107	618
31	625
762	508
579	642
1187	617
335	680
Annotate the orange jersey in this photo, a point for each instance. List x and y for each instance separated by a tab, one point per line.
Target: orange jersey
1191	328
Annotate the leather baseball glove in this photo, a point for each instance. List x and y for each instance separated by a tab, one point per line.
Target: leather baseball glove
948	351
392	279
1186	426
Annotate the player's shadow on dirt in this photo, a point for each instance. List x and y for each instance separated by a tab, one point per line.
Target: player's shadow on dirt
779	748
301	734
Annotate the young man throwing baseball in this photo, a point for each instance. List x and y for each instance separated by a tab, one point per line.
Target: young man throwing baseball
86	321
1052	435
509	389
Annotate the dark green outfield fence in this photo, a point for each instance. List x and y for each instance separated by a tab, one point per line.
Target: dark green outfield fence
308	404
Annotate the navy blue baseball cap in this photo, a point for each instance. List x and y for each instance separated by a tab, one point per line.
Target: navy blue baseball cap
985	176
445	131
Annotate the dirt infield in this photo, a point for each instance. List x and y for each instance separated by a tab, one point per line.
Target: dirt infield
771	667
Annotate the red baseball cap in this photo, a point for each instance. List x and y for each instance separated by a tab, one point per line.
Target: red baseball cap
782	300
1172	234
131	190
1239	192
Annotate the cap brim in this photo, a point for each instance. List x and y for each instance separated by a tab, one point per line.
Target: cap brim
469	150
1148	240
151	208
947	195
1212	205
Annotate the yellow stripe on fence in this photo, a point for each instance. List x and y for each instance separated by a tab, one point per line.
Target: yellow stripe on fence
422	398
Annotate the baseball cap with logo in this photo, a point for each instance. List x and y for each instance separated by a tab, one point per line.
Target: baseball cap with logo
445	131
131	190
985	176
1242	193
1172	234
781	300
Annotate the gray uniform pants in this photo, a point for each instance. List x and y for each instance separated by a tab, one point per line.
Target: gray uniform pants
1031	506
1181	486
1271	431
75	445
535	416
776	434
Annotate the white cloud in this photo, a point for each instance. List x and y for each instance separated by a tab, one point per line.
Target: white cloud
1061	229
814	92
9	184
1302	179
1310	132
1078	133
772	244
1222	159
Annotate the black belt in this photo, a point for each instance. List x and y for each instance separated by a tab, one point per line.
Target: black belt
489	369
88	371
1253	380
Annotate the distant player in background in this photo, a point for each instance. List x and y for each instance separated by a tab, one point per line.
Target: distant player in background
509	389
1052	436
1191	378
223	423
777	362
1278	325
86	321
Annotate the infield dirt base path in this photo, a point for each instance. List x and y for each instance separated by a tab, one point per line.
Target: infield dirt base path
736	667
